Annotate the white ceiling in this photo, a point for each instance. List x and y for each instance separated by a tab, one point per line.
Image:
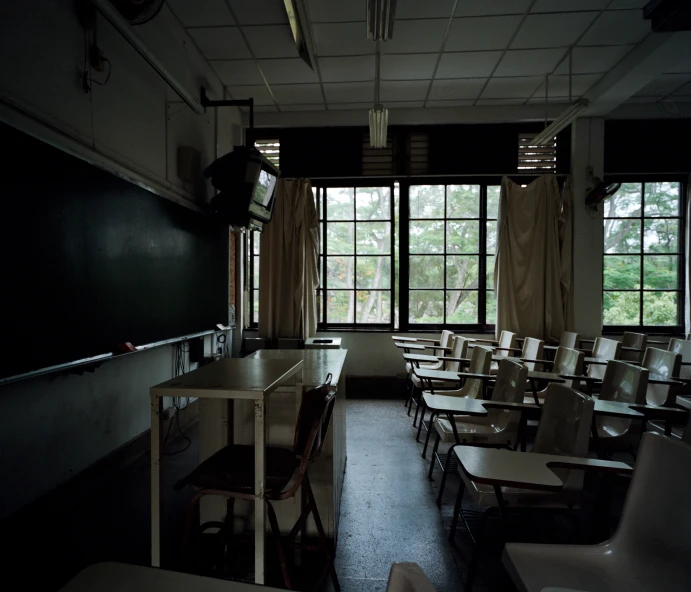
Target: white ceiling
489	52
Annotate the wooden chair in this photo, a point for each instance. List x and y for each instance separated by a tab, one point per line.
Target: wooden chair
230	473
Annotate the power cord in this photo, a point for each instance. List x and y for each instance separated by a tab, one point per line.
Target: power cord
179	369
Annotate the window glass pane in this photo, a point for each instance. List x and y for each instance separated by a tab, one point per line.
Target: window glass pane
426	306
255	243
373	273
660	308
489	269
373	237
321	238
426	237
461	307
340	306
463	201
621	308
462	272
463	237
622	273
374	307
622	236
340	238
427	201
339	272
255	306
427	271
660	272
661	199
255	261
491	236
490	308
493	193
340	203
660	236
625	202
373	203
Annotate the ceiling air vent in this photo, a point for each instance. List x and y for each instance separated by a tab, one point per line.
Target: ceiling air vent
418	154
542	159
376	161
271	149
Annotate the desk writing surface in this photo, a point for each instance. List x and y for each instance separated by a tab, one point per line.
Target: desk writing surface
684	402
616	409
425	374
533	375
456	405
420	358
317	362
231	374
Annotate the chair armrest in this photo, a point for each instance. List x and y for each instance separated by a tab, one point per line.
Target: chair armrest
436	347
550	362
667	381
509	349
485	340
579	377
587	341
632	349
426	340
480	376
448	359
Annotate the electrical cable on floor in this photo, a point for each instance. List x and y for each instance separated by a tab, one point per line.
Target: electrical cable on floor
179	369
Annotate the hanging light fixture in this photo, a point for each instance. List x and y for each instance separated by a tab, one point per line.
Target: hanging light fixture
378	122
380	18
546	136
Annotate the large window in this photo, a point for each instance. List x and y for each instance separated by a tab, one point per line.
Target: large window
643	256
452	236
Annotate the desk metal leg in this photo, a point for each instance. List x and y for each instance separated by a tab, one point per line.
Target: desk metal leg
259	481
156	483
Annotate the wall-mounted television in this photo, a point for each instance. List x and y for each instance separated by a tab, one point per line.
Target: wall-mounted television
246	181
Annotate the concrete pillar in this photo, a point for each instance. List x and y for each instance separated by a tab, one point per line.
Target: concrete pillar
587	151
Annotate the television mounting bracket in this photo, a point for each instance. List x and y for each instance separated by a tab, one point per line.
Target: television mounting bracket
206	102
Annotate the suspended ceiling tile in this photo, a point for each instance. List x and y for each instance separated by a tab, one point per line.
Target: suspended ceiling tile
297	94
333	11
349	92
488	7
552	30
285	71
404	104
518	101
508	88
220	43
568	5
202	13
642	100
468	88
666	84
235	72
681	67
408	67
259	93
684	91
467	64
454	103
264	108
528	62
352	106
303	107
620	27
416	36
347	69
272	41
403	90
594	60
413	9
342	39
536	100
619	4
558	86
481	33
259	12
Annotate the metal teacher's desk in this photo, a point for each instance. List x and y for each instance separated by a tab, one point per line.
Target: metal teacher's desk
231	379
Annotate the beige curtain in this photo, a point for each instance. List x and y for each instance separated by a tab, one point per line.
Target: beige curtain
687	241
288	265
532	273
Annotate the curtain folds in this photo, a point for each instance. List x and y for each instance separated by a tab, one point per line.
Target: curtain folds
288	266
533	267
687	251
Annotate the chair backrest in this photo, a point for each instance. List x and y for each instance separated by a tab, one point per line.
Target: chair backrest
624	383
509	387
654	534
683	347
459	349
568	361
605	349
564	427
479	364
570	339
637	340
313	422
445	338
661	364
532	350
506	339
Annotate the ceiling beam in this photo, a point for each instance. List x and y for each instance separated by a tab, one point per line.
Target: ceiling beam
644	64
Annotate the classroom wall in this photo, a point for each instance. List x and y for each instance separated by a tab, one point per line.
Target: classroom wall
51	428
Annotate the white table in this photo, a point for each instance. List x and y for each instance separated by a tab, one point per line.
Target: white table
234	378
120	577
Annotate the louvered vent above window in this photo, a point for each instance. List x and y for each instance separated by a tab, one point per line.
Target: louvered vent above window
377	161
536	158
271	149
418	154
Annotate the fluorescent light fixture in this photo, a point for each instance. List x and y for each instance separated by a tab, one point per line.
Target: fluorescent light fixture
299	27
380	17
546	136
378	122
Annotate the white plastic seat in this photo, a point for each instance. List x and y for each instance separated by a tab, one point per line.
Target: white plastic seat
507	342
459	349
563	429
624	383
499	426
479	364
566	361
604	349
533	350
650	549
683	347
444	341
570	339
661	364
637	340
